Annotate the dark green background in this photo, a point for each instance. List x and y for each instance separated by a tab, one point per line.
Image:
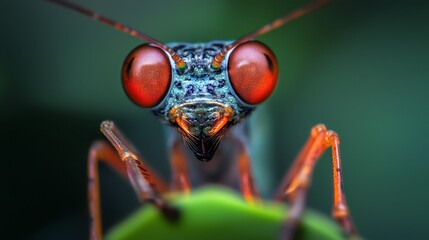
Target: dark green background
360	67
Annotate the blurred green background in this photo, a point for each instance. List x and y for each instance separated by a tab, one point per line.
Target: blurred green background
360	67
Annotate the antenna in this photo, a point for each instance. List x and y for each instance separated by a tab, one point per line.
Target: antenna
176	58
217	60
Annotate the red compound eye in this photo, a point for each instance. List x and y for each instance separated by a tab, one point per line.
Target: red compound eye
253	71
146	75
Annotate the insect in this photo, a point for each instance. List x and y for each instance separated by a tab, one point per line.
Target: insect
203	91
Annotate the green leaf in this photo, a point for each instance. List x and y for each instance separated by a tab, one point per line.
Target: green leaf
219	213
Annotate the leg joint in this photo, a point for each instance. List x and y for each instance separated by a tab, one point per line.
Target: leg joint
318	129
332	137
127	154
107	125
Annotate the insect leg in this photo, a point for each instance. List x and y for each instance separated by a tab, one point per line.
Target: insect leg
146	184
180	179
248	187
297	181
298	164
247	184
99	150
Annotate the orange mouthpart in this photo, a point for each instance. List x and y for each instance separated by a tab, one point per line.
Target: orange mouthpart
219	125
183	125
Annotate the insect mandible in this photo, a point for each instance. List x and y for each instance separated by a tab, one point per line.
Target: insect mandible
203	91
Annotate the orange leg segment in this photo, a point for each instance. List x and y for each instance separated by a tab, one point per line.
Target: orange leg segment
126	161
247	185
297	181
180	179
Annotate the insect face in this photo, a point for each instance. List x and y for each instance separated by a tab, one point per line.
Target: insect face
199	101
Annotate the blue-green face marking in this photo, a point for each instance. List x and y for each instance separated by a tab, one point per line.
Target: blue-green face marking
199	83
201	104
